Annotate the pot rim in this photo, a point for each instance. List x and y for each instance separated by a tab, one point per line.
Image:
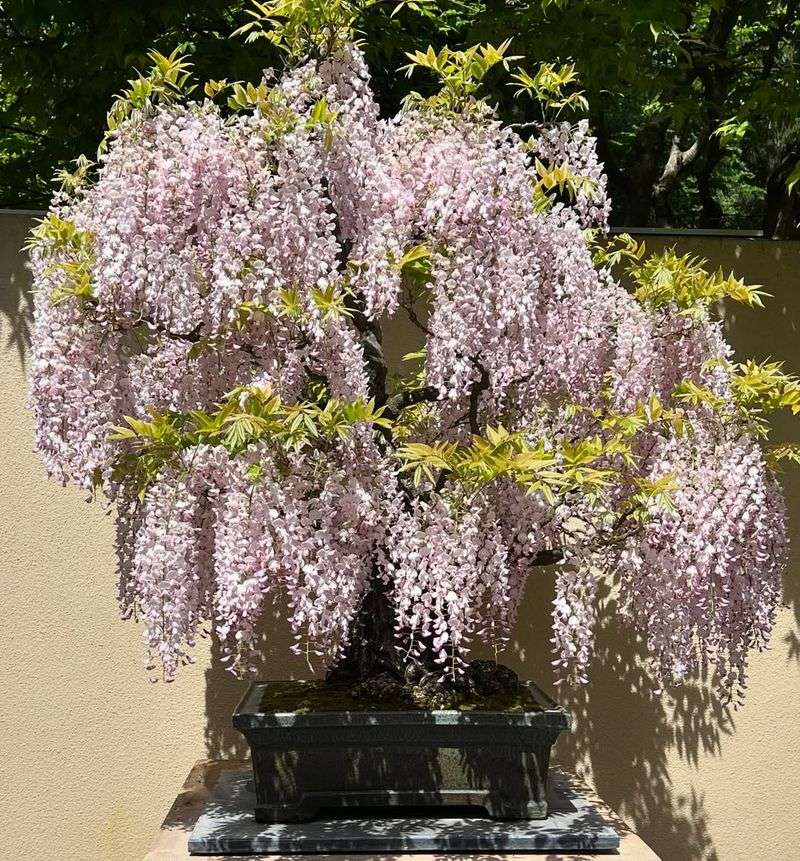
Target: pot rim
248	714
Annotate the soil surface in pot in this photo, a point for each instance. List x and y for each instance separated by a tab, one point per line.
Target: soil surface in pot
319	696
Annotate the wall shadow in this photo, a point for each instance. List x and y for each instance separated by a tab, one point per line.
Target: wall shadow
625	730
223	690
16	300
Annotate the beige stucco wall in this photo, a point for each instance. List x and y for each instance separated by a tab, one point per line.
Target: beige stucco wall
91	754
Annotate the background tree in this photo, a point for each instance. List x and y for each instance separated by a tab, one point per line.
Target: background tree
63	61
695	104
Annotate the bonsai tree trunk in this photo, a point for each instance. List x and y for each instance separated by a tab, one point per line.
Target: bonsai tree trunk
372	650
374	662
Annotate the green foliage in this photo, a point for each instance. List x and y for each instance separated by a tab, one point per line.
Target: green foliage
72	181
558	178
415	265
72	253
58	234
783	452
270	102
738	187
321	117
412	421
246	416
244	97
166	82
251	415
549	87
763	387
303	28
290	305
691	392
76	281
553	468
731	130
758	389
459	73
625	426
619	248
793	178
501	454
331	301
681	279
669	278
649	494
662	70
558	4
538	468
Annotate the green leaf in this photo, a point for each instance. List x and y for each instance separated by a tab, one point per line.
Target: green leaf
793	178
255	473
290	303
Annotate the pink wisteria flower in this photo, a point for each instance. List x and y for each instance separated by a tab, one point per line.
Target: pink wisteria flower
208	352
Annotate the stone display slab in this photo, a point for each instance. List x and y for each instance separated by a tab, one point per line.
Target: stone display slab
227	827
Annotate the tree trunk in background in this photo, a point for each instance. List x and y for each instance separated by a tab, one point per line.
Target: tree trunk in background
679	160
711	213
782	209
640	175
716	82
710	65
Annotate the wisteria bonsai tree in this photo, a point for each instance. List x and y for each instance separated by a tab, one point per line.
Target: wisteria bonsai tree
208	349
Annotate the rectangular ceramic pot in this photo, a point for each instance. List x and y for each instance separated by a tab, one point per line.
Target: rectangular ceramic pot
304	761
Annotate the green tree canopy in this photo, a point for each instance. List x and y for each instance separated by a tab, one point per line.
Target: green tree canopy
695	104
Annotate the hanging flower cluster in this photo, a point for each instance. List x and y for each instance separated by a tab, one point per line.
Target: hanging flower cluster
208	352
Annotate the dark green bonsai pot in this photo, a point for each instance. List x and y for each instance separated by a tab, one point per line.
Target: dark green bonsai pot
314	746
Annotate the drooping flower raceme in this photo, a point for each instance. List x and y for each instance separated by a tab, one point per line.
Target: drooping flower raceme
207	351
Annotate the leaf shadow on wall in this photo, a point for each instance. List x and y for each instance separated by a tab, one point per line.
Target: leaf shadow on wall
16	299
771	333
790	481
624	730
768	333
223	690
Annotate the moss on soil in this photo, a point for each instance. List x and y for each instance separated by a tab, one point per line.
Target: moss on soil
318	696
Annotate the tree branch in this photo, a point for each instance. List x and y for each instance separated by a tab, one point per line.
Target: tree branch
408	307
677	161
397	403
478	386
372	341
548	557
23	131
193	337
